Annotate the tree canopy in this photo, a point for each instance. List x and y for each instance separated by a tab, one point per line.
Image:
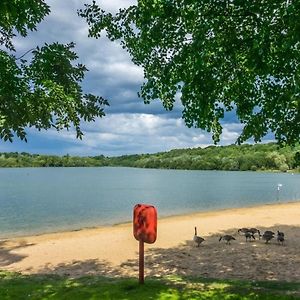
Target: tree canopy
218	56
45	91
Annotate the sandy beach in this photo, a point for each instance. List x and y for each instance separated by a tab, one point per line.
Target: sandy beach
112	251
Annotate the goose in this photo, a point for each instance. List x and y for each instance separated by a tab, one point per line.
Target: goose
254	231
268	235
280	237
249	235
226	238
243	230
280	233
269	232
197	239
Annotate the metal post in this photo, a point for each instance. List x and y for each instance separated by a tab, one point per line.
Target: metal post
141	262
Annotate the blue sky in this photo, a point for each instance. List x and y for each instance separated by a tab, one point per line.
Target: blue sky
129	126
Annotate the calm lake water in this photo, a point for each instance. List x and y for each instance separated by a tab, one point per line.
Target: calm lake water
38	200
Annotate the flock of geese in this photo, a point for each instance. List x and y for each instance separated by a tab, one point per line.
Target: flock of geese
248	233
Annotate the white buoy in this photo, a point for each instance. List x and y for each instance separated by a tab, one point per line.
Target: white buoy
279	185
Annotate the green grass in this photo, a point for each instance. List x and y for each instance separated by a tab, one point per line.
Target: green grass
16	286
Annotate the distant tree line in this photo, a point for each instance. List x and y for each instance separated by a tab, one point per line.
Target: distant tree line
258	157
234	158
23	159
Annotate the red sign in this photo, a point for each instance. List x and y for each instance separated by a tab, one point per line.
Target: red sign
145	223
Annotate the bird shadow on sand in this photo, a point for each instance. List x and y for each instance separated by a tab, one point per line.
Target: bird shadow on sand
7	255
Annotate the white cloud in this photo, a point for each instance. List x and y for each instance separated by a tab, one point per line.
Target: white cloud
114	5
117	73
230	133
119	134
130	126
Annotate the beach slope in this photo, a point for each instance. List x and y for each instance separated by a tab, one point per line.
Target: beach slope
112	251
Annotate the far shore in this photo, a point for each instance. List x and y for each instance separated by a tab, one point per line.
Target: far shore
112	250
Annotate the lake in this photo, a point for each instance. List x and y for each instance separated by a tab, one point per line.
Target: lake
39	200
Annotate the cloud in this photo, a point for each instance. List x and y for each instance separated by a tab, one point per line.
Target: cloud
111	72
129	126
119	134
115	5
117	72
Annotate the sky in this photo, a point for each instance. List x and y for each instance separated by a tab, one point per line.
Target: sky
130	126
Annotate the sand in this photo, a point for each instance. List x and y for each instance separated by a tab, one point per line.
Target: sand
112	251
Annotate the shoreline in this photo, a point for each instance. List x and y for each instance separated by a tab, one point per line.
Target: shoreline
126	223
113	251
289	171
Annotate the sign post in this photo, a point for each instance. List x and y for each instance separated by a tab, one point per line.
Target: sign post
144	230
141	262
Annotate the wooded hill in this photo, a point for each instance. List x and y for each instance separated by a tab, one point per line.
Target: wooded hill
234	158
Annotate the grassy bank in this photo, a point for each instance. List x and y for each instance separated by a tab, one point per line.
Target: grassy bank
16	286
